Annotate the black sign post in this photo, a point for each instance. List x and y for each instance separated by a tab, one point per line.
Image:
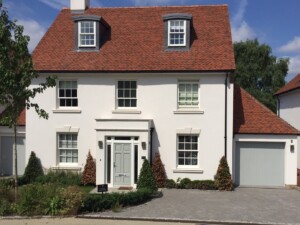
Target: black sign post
102	188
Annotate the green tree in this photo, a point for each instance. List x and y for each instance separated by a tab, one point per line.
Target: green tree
258	71
33	169
146	178
16	74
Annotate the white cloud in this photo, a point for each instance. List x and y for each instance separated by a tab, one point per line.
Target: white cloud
291	46
56	4
242	32
294	66
240	29
33	29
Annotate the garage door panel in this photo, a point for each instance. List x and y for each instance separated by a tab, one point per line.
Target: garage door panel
260	164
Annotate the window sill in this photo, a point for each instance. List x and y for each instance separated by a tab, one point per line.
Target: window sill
73	167
188	111
126	111
181	170
71	110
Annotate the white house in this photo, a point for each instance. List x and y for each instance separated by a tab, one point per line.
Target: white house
288	106
140	80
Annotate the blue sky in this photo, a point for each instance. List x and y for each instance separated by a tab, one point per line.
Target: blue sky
274	22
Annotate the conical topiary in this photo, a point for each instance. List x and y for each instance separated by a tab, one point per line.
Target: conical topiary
223	180
89	172
33	169
146	178
159	171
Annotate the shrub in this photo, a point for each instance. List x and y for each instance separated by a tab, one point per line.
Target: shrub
6	190
33	169
35	199
60	178
183	183
202	185
6	208
146	178
72	198
89	172
223	180
43	199
95	202
170	183
159	171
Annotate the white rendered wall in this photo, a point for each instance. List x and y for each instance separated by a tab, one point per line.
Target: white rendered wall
157	100
289	108
290	158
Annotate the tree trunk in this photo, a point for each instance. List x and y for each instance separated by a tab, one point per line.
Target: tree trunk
16	161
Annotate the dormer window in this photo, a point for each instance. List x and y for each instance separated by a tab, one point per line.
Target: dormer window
177	28
87	33
90	32
177	33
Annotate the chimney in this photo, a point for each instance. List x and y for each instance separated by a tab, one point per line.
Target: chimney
79	5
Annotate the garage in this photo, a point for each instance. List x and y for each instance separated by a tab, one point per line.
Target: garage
7	156
259	164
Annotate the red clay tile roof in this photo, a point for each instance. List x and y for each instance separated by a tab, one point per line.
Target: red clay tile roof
290	86
252	117
137	42
21	119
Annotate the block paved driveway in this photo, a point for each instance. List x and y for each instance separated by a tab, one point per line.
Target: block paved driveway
244	205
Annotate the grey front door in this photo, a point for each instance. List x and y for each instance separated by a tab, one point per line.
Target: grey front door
122	164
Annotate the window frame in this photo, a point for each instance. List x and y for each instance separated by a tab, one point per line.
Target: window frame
65	148
130	98
184	33
79	34
191	82
185	150
72	98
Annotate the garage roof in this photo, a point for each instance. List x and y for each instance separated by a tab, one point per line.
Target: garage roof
252	117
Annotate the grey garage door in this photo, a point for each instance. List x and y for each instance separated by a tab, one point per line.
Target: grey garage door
260	164
7	156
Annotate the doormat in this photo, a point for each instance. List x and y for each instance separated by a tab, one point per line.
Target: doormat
125	188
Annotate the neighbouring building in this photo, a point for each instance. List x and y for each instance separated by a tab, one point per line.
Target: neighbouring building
288	107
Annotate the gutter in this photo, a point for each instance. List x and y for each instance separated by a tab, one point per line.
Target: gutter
225	125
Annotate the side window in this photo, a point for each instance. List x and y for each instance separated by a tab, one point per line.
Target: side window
188	94
67	148
67	94
187	150
127	94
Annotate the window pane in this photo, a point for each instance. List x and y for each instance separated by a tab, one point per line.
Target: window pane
120	93
121	103
127	102
133	103
61	93
120	84
62	102
68	93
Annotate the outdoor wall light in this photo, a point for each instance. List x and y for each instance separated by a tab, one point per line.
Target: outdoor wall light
100	144
144	145
292	148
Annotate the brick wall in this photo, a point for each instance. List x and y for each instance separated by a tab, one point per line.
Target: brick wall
298	177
